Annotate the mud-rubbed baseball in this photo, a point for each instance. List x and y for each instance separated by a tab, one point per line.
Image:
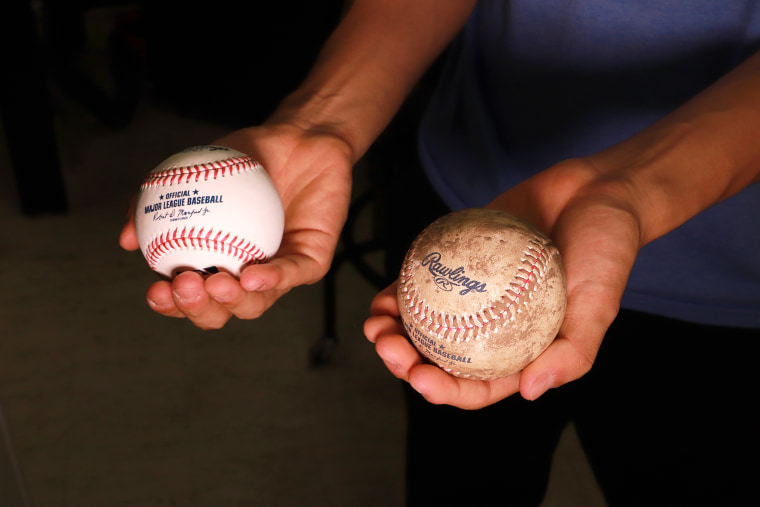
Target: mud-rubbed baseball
208	209
482	293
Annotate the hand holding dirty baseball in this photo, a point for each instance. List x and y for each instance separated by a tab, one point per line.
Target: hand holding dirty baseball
481	293
598	241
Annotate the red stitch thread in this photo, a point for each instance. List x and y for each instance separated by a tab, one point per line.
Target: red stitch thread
211	170
235	247
534	264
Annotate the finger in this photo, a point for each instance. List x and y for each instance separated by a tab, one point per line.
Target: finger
560	364
568	358
161	300
282	273
398	355
591	308
386	302
128	235
438	387
262	277
223	289
404	361
380	325
190	297
597	267
227	292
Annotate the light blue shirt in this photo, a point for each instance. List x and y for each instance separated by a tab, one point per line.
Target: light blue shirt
530	83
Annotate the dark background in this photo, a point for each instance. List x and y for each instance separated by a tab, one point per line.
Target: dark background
104	402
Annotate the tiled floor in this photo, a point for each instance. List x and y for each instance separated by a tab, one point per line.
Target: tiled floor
111	405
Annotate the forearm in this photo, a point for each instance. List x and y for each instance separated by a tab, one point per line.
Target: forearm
369	64
702	153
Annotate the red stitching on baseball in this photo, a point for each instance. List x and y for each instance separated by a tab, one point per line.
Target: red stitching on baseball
530	273
198	172
202	239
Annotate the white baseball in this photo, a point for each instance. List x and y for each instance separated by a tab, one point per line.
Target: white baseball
208	209
482	293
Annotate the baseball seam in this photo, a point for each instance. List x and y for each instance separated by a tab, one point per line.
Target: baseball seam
198	172
202	239
528	276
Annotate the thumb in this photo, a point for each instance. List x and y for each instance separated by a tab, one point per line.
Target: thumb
128	236
599	243
573	352
283	273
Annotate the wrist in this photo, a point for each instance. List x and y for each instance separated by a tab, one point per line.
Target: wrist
674	170
315	115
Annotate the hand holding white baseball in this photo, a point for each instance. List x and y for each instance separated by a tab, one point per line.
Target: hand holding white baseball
312	174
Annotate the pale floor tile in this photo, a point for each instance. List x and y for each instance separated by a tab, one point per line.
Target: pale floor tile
112	405
572	483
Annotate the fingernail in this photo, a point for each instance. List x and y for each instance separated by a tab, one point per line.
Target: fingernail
222	297
393	367
542	384
186	296
253	285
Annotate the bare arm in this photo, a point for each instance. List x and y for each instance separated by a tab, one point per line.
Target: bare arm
369	65
702	153
309	146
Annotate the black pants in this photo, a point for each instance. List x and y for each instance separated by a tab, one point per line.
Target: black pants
667	416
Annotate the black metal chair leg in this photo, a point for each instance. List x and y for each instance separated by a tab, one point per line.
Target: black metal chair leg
323	350
27	114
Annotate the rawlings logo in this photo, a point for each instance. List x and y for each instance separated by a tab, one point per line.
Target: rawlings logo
447	278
